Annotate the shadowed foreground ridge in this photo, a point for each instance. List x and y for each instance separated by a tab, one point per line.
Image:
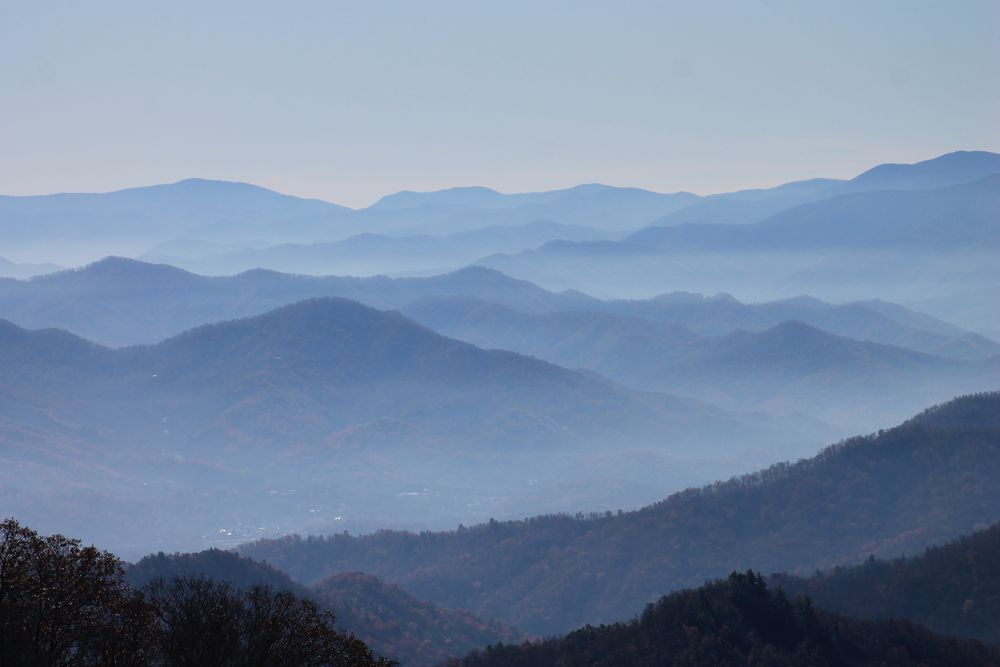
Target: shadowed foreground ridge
739	621
953	588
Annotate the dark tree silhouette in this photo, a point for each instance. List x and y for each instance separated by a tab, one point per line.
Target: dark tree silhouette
206	623
738	622
64	604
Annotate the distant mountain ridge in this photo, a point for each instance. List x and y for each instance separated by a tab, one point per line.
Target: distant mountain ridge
140	302
643	344
787	367
834	243
961	214
130	221
9	269
948	169
371	254
750	206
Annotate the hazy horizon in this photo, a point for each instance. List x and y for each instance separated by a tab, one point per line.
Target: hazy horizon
529	190
347	103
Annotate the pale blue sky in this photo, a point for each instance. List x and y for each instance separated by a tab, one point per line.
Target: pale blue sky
349	101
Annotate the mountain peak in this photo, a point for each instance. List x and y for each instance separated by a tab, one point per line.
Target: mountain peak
121	267
948	169
470	195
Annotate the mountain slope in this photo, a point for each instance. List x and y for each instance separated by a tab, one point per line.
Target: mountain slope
128	221
461	209
958	216
926	481
331	346
913	243
400	626
328	409
790	368
750	206
119	302
952	588
738	621
615	346
837	379
942	171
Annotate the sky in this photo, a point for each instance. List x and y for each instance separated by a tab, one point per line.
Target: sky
348	101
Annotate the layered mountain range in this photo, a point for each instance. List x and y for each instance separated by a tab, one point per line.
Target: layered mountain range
327	409
924	233
846	367
916	485
574	356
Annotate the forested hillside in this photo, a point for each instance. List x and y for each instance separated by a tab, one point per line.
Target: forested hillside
952	588
397	625
926	481
738	622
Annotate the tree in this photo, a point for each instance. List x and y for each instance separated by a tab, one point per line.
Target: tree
65	604
212	623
